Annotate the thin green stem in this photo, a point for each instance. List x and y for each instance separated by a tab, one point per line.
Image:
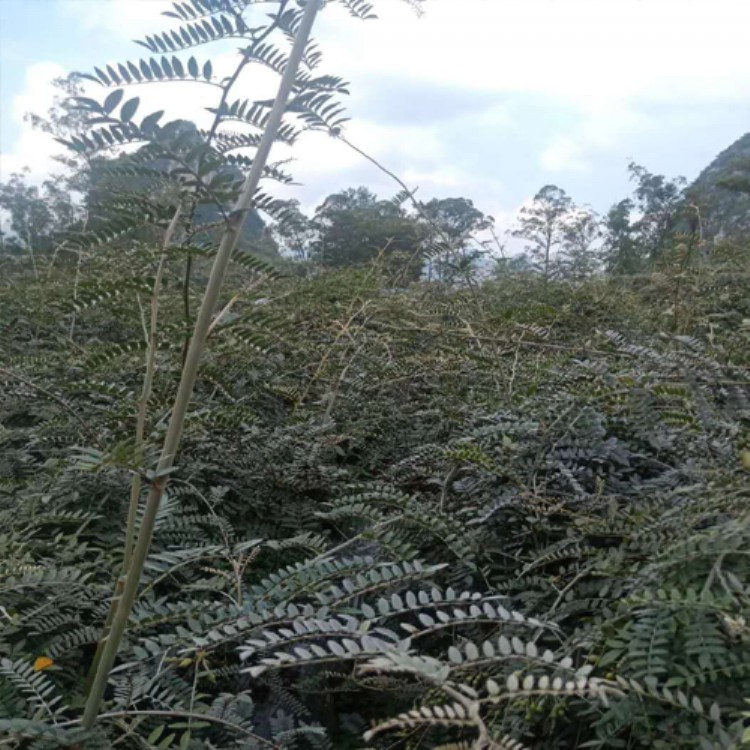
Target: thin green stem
190	370
227	87
147	388
135	491
136	486
50	395
178	715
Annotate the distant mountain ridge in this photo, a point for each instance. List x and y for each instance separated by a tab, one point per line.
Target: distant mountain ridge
725	211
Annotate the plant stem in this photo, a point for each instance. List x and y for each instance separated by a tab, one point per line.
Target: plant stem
228	243
135	490
30	248
447	243
50	395
135	487
226	88
148	379
179	715
75	294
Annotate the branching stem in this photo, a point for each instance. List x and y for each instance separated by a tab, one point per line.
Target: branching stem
173	438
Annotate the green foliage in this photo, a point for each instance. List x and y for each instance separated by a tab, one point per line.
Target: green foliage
453	224
475	514
354	228
659	204
621	250
720	193
542	224
36	214
403	515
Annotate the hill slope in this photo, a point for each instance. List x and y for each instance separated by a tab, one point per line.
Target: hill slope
726	210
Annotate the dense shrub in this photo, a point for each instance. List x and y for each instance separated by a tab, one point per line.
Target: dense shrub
508	517
401	514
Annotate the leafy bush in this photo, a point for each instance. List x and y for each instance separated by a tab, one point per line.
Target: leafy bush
415	510
402	514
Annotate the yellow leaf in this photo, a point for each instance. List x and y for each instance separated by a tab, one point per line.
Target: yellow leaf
745	458
42	663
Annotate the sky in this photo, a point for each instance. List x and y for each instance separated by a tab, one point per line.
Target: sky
487	99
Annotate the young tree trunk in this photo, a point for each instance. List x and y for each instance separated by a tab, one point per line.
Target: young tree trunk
227	245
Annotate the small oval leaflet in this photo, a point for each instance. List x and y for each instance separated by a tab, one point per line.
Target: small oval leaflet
129	109
111	102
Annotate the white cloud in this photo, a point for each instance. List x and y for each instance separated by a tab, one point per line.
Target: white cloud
563	154
581	49
122	19
603	126
318	153
33	149
600	62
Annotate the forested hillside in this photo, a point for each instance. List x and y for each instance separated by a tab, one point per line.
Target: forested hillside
364	478
722	190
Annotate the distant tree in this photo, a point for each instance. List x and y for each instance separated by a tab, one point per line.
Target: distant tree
738	177
581	231
63	120
621	250
36	215
513	265
295	233
542	225
30	219
452	226
353	199
659	205
457	217
354	227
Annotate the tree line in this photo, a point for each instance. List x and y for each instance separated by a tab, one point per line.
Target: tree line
442	239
